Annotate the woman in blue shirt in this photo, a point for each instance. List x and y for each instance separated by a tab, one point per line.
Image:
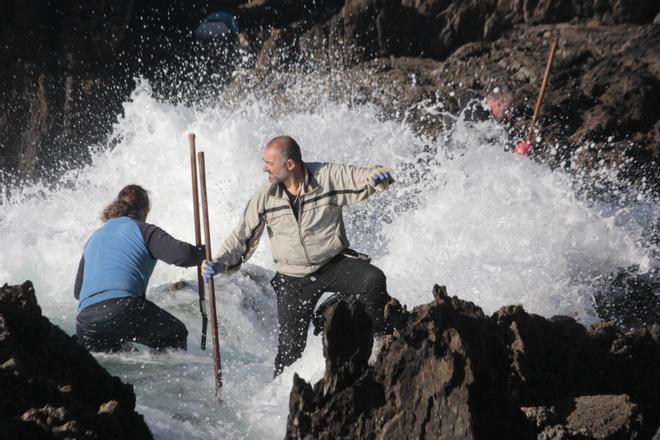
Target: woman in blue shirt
113	274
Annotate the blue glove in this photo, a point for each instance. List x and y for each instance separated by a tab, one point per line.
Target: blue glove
211	268
380	177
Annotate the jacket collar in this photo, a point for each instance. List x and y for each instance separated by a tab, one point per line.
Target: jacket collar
310	185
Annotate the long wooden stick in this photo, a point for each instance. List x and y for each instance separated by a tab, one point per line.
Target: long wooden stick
211	286
198	238
539	100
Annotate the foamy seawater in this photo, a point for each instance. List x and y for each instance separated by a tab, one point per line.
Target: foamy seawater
495	228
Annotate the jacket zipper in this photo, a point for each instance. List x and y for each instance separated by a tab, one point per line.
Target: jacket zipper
302	242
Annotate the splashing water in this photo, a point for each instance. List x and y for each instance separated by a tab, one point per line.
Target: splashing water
493	227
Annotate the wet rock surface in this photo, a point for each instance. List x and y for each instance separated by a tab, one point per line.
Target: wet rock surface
453	372
53	388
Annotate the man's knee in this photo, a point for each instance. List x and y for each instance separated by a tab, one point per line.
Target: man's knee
373	280
375	297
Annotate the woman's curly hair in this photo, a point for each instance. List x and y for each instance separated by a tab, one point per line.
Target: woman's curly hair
132	201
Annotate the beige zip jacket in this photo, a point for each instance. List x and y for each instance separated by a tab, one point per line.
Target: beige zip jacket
299	246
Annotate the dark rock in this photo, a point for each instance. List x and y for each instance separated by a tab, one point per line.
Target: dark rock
348	387
68	67
629	299
366	29
428	383
558	358
63	84
603	417
452	372
346	359
592	417
57	389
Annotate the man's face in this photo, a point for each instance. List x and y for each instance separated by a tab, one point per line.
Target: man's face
275	165
497	106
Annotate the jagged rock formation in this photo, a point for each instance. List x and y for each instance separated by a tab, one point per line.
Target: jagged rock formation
453	373
53	388
355	31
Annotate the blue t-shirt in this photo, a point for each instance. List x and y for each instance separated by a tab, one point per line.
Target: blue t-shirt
117	263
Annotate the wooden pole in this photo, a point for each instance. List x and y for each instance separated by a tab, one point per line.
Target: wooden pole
539	100
211	287
198	238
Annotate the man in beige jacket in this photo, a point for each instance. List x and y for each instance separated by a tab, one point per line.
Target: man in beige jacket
301	208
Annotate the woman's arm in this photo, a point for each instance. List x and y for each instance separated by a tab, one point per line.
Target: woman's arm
163	246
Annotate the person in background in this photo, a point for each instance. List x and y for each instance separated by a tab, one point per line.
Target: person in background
497	105
113	274
301	208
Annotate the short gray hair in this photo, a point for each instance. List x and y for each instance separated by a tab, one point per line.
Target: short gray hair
288	147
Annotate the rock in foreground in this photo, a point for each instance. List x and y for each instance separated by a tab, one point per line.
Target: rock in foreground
454	373
50	386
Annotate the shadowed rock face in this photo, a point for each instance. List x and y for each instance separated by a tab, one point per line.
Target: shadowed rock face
454	373
67	68
53	388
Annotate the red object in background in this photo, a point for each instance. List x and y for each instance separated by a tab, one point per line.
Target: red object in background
523	148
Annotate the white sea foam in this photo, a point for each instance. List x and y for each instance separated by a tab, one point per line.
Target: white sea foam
495	228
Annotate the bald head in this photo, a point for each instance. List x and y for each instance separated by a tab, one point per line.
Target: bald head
283	162
287	147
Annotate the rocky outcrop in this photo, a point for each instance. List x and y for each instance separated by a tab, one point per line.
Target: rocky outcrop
355	31
51	386
597	417
455	373
59	96
67	68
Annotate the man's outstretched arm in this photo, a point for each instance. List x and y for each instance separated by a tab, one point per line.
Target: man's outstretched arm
243	240
354	184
